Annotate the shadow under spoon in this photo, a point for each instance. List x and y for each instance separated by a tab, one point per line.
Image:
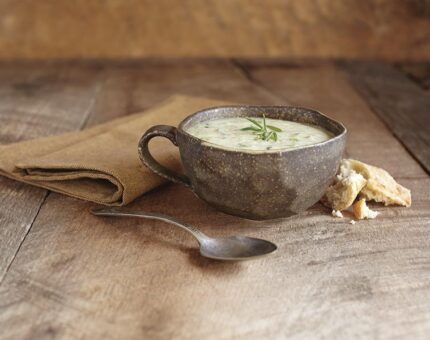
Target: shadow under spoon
233	248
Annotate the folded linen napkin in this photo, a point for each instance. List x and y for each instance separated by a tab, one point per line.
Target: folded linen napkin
101	164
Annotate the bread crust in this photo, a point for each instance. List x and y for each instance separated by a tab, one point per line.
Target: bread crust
380	186
360	180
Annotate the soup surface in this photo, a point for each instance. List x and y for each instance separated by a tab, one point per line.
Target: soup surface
230	133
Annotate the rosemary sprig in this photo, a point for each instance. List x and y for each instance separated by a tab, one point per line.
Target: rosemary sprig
262	129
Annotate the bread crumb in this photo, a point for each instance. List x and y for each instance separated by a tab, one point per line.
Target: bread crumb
352	222
336	213
362	211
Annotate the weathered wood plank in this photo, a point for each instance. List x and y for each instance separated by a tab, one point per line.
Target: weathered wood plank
384	29
401	103
36	100
135	87
324	88
85	277
78	276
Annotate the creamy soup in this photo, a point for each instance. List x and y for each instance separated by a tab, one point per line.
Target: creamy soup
240	133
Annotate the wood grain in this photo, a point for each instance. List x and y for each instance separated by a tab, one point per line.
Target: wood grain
133	89
113	29
36	100
79	276
402	105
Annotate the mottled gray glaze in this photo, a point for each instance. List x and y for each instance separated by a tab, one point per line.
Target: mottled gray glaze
255	185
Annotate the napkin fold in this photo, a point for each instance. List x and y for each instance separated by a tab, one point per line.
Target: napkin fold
101	164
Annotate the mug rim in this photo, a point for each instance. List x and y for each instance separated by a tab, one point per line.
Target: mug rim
262	152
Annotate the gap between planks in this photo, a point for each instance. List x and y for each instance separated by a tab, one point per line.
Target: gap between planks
368	78
6	270
399	102
85	119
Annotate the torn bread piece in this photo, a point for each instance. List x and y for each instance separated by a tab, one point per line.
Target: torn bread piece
366	181
344	191
362	211
380	186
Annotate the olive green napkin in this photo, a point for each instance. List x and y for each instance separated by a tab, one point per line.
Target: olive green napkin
100	164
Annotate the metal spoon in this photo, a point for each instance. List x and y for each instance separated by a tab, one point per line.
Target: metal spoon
232	248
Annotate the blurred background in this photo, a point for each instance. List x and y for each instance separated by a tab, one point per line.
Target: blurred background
388	30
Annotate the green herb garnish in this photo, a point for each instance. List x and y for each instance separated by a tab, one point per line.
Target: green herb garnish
262	129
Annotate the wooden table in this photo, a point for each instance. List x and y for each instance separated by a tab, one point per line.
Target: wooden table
67	274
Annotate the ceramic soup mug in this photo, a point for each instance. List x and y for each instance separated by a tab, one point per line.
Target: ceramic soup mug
254	185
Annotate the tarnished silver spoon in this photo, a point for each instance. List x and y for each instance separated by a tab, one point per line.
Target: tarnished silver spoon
233	248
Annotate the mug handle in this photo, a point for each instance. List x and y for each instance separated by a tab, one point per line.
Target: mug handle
170	133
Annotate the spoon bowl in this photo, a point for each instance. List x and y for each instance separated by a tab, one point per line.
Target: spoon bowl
236	248
233	248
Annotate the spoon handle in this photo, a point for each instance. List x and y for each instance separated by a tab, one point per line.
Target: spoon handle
200	236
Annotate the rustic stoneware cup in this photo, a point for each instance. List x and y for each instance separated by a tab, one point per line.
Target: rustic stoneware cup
257	185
